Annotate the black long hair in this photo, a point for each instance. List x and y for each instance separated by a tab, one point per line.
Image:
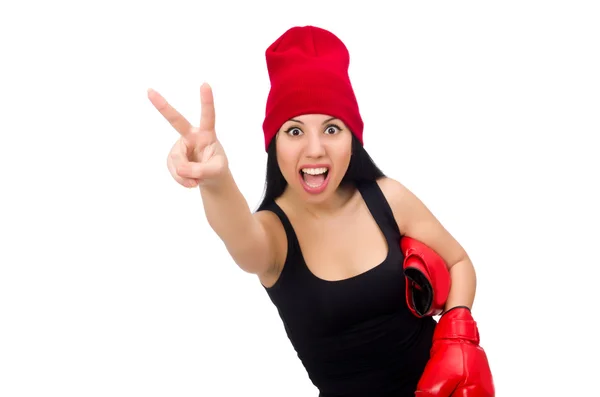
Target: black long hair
362	168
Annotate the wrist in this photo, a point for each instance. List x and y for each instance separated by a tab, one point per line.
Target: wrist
450	308
220	185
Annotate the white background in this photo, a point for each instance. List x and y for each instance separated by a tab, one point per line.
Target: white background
111	281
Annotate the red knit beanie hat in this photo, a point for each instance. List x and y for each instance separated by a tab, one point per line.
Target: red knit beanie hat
308	70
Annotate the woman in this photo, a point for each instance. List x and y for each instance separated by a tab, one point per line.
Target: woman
326	241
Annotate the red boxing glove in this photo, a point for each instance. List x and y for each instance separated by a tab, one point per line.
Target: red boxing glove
427	278
458	366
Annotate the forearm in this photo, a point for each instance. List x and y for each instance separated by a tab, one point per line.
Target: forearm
229	215
464	283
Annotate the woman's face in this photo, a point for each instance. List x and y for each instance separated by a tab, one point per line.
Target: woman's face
313	152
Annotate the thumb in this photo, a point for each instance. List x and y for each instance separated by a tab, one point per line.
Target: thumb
209	167
191	170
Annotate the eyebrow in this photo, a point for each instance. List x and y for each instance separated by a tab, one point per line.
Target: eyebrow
324	122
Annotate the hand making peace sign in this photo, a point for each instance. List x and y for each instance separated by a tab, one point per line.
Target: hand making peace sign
197	157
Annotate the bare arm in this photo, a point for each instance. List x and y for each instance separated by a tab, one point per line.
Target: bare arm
198	159
416	220
242	232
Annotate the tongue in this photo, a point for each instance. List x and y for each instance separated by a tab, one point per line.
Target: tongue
314	180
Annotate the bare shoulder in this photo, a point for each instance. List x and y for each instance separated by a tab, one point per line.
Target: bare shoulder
392	189
415	220
408	209
277	240
268	219
397	196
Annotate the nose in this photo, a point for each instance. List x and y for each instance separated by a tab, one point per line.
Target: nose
314	146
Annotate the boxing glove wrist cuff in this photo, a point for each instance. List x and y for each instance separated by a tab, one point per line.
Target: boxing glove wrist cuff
457	323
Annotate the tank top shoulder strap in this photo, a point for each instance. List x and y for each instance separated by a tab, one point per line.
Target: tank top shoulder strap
380	209
293	246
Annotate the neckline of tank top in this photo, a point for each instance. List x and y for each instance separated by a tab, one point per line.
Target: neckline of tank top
353	278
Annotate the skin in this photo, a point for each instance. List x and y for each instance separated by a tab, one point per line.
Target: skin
331	226
334	226
314	139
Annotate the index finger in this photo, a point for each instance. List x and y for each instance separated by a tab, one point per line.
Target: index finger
174	118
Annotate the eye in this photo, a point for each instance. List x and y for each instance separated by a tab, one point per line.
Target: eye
294	131
332	129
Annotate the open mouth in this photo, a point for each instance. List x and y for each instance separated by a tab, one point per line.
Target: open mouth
314	177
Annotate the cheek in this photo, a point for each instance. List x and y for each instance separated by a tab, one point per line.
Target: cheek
287	164
343	161
342	156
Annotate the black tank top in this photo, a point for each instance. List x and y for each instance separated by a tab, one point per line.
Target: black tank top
355	337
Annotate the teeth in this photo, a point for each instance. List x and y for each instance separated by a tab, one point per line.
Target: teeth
314	171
